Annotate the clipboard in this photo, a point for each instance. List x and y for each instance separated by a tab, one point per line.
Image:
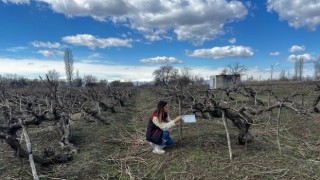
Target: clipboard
189	118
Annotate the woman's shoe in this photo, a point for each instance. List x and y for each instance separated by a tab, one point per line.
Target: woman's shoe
158	150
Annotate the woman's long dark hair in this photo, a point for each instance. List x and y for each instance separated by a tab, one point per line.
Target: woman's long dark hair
162	116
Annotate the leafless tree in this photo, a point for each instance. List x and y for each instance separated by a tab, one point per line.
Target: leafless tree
317	69
235	69
53	76
224	72
198	80
68	60
299	69
78	80
165	74
89	80
271	72
184	78
282	76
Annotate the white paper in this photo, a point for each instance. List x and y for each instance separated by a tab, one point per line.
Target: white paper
189	118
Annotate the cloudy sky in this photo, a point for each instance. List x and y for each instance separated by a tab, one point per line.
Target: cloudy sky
129	39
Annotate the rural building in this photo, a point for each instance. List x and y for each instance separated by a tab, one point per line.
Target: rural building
223	81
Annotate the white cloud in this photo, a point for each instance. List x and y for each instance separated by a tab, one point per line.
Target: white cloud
306	57
28	66
46	53
276	53
232	40
33	68
40	44
16	49
223	52
117	72
17	1
192	20
94	42
161	60
298	13
96	58
90	61
258	74
50	53
296	48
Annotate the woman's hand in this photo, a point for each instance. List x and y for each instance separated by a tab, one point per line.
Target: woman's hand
177	119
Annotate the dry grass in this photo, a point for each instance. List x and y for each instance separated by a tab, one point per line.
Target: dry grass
119	151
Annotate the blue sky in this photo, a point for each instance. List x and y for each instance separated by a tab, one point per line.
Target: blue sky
129	39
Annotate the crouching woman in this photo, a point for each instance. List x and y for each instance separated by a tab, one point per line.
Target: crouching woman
158	128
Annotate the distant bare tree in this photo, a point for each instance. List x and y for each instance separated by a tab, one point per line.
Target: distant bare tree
3	83
224	72
271	72
53	76
78	80
89	80
165	74
282	76
68	61
103	83
185	77
299	69
197	79
186	72
235	69
317	69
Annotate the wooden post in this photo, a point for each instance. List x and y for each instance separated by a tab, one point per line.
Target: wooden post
180	123
98	108
269	100
47	102
32	165
21	137
278	129
20	108
224	119
51	108
255	99
39	107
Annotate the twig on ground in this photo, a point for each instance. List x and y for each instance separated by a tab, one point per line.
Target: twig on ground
158	168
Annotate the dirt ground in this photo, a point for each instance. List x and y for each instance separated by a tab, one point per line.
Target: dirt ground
119	150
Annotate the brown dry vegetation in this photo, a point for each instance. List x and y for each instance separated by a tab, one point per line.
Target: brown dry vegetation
119	150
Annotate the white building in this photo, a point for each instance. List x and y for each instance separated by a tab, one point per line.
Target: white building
223	81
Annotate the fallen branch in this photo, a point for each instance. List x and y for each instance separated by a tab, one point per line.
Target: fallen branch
32	165
224	119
